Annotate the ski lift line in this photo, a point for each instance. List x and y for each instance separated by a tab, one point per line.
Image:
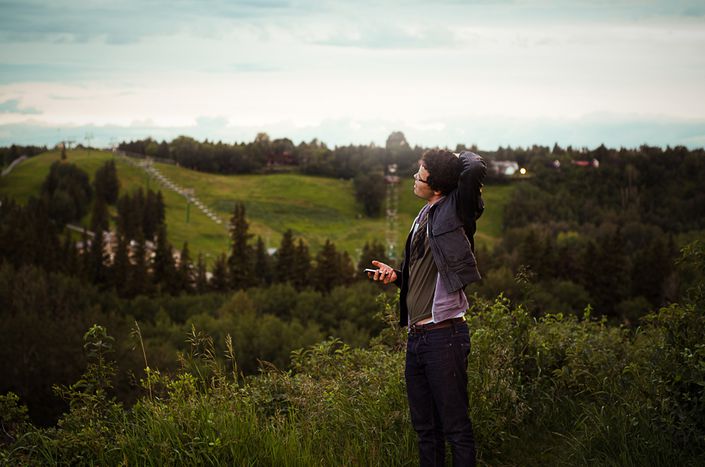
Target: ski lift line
188	193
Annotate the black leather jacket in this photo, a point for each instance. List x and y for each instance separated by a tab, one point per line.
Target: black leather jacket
452	225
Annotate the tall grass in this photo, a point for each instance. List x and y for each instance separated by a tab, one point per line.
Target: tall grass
553	391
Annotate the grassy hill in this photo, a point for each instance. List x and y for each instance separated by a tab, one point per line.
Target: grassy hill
315	208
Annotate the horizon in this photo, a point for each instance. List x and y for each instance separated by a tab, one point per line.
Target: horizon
510	73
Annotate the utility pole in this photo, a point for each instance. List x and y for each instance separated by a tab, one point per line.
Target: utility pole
392	199
188	193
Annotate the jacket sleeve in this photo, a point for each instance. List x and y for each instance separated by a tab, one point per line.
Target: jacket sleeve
468	195
397	281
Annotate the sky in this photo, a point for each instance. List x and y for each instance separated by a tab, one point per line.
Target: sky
489	73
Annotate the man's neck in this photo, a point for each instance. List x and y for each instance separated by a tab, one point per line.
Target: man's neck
434	199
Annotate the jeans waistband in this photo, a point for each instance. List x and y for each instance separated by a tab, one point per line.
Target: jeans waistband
422	328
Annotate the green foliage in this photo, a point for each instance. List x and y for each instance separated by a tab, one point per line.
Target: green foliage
68	192
240	261
314	207
370	191
554	391
13	419
106	183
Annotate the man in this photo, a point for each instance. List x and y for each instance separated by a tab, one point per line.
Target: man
438	263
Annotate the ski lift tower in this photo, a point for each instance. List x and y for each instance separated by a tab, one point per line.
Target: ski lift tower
392	181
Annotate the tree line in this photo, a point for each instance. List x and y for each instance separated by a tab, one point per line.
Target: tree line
607	236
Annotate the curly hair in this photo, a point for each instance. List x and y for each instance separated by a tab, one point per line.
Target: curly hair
443	170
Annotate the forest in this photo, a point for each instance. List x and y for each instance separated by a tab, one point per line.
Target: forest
587	329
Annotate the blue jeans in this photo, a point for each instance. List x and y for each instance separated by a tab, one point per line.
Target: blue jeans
436	386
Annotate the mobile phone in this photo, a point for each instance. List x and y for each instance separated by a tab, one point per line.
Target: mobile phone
372	270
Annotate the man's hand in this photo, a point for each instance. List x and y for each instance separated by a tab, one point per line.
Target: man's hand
385	273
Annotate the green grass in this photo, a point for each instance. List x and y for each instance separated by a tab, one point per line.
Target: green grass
314	208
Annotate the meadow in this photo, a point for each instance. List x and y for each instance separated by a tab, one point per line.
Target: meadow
314	208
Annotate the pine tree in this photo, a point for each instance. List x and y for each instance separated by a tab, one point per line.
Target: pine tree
98	259
346	270
120	270
285	259
219	280
262	264
85	264
327	272
70	263
164	271
138	279
201	277
302	266
150	215
185	270
160	208
240	262
106	183
99	215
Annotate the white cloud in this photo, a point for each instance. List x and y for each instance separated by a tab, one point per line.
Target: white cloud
302	64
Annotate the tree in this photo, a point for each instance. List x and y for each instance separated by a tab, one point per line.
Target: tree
371	251
185	270
106	183
138	279
219	280
164	271
285	258
72	188
98	259
262	264
120	269
346	270
302	266
397	147
370	191
201	277
99	215
327	273
240	261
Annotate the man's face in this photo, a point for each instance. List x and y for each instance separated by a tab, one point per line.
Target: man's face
421	187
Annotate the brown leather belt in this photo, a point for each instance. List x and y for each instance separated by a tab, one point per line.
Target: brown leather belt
419	328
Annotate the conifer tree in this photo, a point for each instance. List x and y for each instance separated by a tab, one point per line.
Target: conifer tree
302	266
106	183
120	270
185	270
164	271
263	264
327	272
160	208
240	262
285	259
219	280
201	277
85	265
98	259
345	268
150	215
99	215
138	279
70	264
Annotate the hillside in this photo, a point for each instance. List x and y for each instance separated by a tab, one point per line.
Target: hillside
315	208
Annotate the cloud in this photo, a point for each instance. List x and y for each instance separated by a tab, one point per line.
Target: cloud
124	22
390	36
12	106
487	133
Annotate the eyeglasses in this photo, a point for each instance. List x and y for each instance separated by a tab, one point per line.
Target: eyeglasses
419	179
